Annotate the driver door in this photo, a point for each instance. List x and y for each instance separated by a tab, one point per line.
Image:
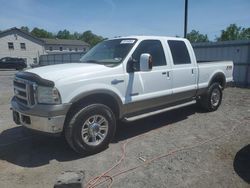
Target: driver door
152	88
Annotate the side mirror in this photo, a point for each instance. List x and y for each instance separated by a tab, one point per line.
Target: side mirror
146	62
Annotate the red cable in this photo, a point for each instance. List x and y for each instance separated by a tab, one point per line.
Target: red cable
91	183
95	181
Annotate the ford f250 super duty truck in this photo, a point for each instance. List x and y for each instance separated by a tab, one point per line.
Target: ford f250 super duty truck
125	78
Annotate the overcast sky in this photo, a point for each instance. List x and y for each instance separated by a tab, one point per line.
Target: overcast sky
111	18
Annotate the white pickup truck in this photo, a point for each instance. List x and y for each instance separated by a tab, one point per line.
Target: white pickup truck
125	78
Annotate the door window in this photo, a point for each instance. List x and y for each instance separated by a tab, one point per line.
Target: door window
179	52
152	47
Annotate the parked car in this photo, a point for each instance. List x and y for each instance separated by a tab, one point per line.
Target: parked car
119	79
12	63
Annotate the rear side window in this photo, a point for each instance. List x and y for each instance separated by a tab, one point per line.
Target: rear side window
154	48
179	52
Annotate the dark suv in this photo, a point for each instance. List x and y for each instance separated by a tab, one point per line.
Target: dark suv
12	63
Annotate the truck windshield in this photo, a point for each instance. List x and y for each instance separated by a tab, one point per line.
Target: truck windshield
109	52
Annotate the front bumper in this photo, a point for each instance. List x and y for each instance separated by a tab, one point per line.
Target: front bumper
43	118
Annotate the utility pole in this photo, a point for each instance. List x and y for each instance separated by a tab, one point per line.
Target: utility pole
186	19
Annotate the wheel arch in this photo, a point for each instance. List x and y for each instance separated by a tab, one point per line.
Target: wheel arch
105	97
220	78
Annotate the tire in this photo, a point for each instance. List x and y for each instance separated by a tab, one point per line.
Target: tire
212	99
90	129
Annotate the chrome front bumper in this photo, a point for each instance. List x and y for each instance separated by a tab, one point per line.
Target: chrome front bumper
43	118
42	124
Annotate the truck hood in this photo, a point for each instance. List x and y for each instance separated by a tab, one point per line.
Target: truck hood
68	70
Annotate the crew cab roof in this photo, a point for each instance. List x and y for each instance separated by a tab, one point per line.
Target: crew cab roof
144	37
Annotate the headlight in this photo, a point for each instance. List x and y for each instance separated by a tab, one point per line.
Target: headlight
48	95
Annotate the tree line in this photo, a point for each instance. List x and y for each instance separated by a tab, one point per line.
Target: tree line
87	36
232	32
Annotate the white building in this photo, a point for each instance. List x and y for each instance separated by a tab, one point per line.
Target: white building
63	45
18	43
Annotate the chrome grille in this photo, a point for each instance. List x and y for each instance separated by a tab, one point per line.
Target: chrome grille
24	91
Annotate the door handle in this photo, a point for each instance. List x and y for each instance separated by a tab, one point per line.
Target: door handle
192	70
166	73
115	81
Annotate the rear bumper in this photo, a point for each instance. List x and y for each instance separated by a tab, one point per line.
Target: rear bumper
43	118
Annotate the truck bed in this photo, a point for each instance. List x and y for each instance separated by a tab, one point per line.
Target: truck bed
208	68
211	61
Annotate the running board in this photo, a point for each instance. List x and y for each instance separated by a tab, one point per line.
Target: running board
159	111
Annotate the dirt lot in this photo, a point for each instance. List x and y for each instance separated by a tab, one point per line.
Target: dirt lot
31	160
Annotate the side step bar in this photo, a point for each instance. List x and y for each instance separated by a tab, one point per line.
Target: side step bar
159	111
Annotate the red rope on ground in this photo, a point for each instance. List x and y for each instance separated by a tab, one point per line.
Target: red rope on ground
96	181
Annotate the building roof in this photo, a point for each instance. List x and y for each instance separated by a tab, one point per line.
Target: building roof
20	31
64	42
45	40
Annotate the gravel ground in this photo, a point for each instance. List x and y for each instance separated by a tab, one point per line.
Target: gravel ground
31	160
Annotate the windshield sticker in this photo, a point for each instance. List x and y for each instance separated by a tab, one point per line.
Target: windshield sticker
127	41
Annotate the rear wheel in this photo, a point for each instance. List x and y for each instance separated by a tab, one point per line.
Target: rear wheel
90	128
212	99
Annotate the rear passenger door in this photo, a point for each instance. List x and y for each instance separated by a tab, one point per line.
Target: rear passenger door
184	70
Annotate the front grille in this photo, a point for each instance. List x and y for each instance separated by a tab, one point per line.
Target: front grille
24	91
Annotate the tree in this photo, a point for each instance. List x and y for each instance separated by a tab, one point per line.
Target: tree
65	34
233	32
41	33
195	36
86	36
91	38
245	33
25	28
76	35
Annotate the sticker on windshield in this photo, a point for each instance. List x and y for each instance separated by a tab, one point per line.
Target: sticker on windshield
127	41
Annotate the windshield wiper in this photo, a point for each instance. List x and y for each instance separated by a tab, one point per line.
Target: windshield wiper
92	61
101	62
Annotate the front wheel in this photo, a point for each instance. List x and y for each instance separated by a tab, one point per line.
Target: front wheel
212	99
91	128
